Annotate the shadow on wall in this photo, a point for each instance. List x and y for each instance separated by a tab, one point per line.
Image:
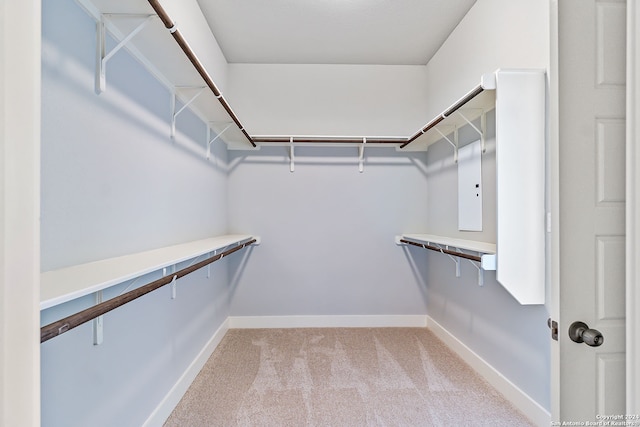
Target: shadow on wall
418	269
143	103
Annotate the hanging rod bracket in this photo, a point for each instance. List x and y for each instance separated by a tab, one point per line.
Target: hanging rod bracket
98	322
102	57
292	165
361	155
174	289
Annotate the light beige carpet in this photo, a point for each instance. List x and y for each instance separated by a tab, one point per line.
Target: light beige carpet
339	377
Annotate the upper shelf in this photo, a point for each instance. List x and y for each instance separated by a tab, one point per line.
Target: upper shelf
66	284
168	55
155	47
472	105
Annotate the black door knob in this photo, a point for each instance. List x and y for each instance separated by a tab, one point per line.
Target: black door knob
579	332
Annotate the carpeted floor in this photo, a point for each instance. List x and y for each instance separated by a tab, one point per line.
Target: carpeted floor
339	377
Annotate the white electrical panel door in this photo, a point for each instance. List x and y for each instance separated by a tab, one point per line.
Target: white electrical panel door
470	187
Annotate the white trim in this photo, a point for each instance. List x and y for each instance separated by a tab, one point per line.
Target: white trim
171	400
20	63
633	210
511	392
381	321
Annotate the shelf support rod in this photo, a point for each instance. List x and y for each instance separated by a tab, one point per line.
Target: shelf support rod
453	144
480	131
102	55
361	155
211	141
292	166
174	113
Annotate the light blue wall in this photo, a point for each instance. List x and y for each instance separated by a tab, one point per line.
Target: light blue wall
328	231
113	183
514	339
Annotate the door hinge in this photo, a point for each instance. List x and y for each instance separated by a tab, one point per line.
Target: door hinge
553	325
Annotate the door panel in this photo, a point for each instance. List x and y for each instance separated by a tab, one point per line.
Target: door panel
591	63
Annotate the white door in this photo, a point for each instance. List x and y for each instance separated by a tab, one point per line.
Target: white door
590	272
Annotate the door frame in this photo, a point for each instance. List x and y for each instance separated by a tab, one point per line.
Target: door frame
20	41
632	209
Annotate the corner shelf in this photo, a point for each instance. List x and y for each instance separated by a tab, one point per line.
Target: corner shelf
473	105
66	284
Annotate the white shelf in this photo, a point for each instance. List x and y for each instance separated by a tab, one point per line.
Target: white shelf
467	109
471	245
452	247
156	49
66	284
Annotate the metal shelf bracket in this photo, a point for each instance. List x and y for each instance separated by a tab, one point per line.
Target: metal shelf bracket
361	155
483	126
174	98
480	272
211	141
456	260
453	143
102	57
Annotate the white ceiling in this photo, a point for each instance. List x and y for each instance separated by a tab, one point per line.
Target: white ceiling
399	32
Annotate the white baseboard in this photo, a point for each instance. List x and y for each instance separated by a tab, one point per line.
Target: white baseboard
171	400
529	407
382	321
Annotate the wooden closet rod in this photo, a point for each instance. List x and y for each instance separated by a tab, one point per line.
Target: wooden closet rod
328	139
468	97
166	20
52	330
444	251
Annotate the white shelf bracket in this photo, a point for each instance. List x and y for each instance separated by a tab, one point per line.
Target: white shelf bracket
98	323
480	131
361	155
173	282
211	141
102	56
292	165
453	143
174	289
174	113
455	259
480	272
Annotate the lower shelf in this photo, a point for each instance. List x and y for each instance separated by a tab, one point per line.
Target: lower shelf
66	284
486	251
